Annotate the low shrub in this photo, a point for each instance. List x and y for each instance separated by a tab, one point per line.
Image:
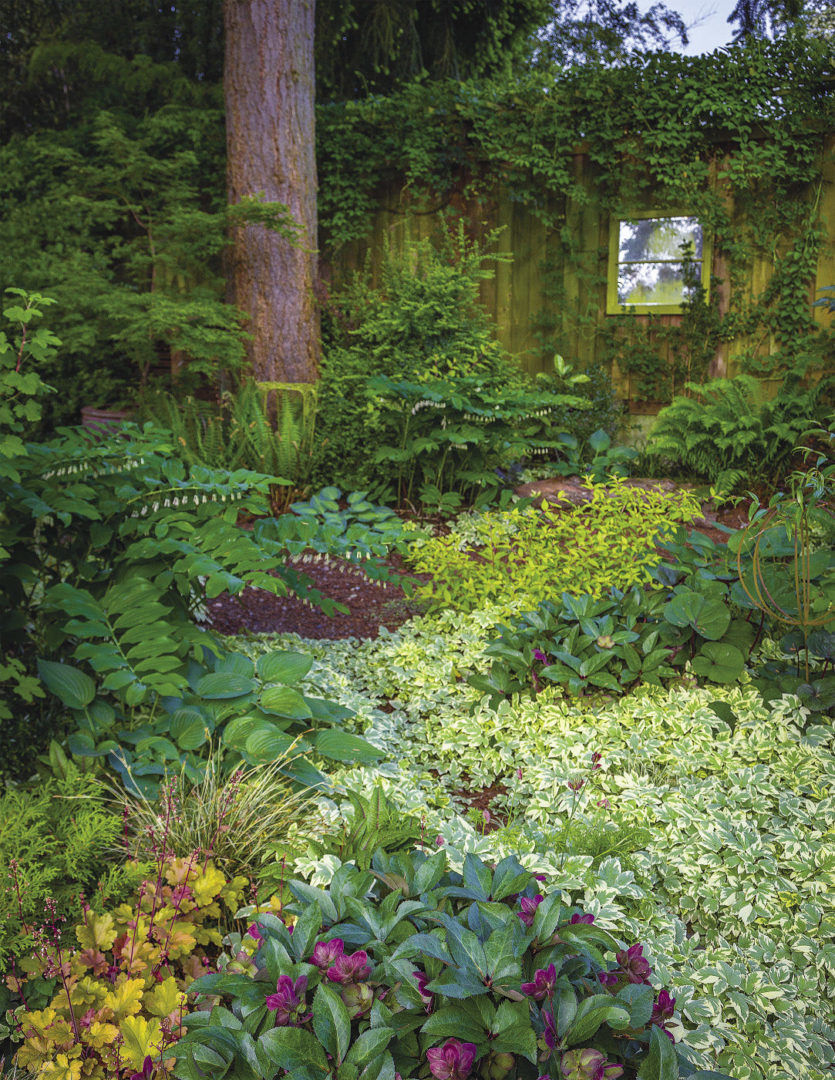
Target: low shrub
530	554
416	970
57	842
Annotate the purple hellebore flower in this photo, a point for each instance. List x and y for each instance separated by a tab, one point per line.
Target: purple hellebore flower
452	1061
147	1070
543	983
349	969
421	978
529	909
254	932
633	965
551	1037
662	1011
607	978
288	1001
539	655
439	841
577	917
588	1064
326	952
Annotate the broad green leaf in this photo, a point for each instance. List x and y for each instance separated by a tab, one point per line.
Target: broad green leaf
284	701
219	685
295	1050
343	746
283	667
74	688
661	1063
331	1022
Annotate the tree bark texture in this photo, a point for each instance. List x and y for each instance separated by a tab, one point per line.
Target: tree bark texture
270	127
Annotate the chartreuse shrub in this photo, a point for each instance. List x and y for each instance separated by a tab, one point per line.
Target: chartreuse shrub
419	971
728	892
102	1001
524	555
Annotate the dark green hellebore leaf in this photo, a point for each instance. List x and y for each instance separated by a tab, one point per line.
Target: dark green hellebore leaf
331	1022
661	1063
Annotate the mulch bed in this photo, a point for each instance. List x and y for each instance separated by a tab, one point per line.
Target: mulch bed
372	605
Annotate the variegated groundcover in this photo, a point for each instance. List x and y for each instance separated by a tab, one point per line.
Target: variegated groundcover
732	888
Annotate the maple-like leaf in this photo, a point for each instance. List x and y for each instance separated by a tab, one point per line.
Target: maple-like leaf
97	933
141	1039
207	885
124	999
165	999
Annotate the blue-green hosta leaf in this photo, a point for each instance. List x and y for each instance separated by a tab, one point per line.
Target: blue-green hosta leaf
283	667
222	685
284	701
73	687
343	746
267	743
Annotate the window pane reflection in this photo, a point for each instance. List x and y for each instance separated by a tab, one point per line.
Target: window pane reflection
654	283
658	238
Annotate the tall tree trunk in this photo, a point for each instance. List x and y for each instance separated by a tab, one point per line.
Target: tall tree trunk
269	88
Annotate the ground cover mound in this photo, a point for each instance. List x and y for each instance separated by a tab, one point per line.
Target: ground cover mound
374	605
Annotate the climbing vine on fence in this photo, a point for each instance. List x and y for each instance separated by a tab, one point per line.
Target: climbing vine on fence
737	137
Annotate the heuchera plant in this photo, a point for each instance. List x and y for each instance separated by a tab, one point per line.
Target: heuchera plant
118	1001
411	970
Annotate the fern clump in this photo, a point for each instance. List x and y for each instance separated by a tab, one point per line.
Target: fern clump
727	434
54	844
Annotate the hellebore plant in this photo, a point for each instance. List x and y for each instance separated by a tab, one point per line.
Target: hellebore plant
416	970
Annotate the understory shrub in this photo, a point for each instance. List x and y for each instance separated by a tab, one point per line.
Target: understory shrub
419	971
419	319
726	433
522	556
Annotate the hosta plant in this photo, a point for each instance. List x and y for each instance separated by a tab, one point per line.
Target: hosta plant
256	711
416	971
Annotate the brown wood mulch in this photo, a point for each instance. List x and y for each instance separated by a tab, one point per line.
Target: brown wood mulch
372	605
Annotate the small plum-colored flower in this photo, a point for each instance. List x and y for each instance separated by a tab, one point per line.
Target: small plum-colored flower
588	1064
439	841
543	983
595	761
662	1009
634	965
349	969
519	774
539	655
288	1001
578	917
576	785
551	1037
452	1061
427	996
254	932
529	908
607	978
326	953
